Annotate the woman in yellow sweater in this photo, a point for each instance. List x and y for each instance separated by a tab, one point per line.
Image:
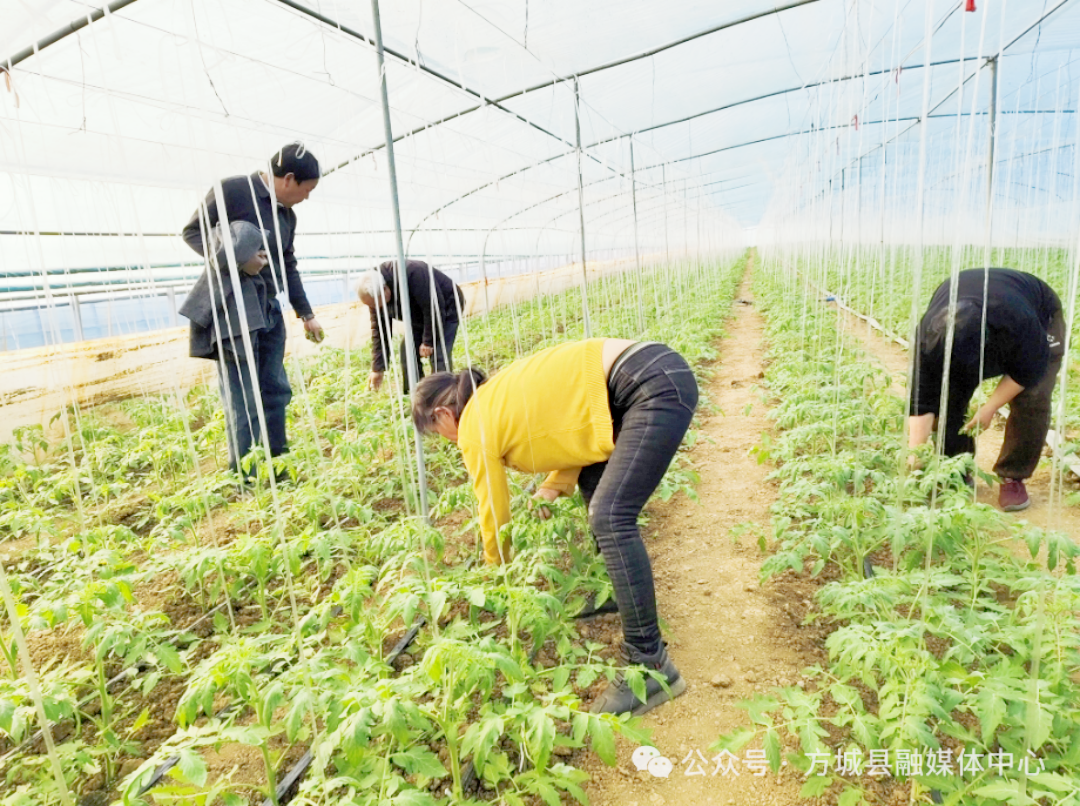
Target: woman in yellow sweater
604	414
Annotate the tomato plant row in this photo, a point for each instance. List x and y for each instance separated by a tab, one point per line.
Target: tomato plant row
956	644
129	532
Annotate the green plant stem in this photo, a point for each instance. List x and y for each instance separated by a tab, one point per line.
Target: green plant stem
266	721
10	655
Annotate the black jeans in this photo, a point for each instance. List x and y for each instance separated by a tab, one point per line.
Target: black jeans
652	398
1028	421
442	360
239	386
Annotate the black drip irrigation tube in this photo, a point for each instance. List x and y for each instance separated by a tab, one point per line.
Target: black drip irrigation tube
131	671
172	761
289	785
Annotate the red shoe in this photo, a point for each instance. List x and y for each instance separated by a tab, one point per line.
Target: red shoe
1012	497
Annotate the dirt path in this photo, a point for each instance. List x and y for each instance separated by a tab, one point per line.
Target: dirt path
729	637
1041	513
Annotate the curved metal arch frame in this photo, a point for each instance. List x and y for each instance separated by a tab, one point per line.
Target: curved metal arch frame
725	107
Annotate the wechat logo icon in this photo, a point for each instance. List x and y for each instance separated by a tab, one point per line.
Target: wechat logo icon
649	758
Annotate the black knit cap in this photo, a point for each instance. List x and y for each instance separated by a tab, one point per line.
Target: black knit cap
295	159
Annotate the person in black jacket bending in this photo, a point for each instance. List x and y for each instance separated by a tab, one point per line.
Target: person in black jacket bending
1023	343
219	319
435	303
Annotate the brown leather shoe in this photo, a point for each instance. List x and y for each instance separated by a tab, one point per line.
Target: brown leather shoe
1012	497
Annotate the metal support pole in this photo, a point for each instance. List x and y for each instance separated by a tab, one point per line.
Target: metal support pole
843	191
76	317
403	285
61	33
581	213
667	242
170	294
637	246
993	138
483	273
633	197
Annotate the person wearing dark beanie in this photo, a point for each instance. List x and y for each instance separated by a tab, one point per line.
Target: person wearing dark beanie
238	294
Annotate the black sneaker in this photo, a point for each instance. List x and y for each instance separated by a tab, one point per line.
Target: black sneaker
617	698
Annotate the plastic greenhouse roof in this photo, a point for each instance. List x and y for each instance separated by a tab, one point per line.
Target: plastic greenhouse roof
121	127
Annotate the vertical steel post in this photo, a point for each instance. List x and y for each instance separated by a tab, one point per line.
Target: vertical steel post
581	213
637	246
667	242
170	294
993	138
403	286
76	317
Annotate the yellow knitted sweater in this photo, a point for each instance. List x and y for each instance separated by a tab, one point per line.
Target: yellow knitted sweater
547	412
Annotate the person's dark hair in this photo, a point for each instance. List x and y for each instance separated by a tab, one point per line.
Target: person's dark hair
448	389
295	159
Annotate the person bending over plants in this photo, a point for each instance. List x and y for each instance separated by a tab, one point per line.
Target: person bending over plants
1023	342
605	414
435	305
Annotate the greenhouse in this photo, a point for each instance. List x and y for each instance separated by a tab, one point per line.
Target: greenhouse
533	402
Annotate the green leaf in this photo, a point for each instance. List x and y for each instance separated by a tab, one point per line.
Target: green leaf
549	793
581	727
481	738
477	597
395	721
815	786
272	698
1008	791
1033	541
992	710
603	740
141	721
772	749
497	770
636	680
1054	781
413	797
540	736
294	719
733	742
560	678
586	677
169	658
850	797
420	761
192	767
759	707
253	735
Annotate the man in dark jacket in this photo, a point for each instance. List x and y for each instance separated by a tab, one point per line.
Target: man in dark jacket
234	304
435	302
1023	342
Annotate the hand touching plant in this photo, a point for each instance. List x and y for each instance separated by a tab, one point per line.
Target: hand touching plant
544	494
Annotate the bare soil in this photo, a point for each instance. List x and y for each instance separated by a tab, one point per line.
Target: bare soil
730	636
